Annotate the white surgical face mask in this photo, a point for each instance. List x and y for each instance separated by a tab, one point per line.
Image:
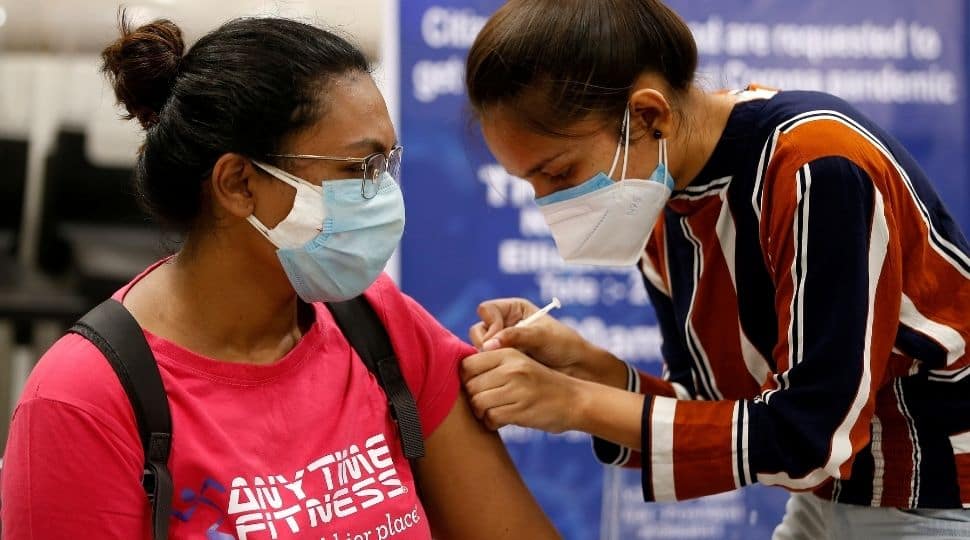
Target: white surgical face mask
605	223
305	220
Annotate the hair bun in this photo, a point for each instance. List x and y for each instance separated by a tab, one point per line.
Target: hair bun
142	65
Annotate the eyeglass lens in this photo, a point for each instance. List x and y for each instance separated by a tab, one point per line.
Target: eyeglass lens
376	166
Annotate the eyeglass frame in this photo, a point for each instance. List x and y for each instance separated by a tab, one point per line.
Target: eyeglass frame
362	160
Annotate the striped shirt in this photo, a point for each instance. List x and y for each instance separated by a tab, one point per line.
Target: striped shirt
813	294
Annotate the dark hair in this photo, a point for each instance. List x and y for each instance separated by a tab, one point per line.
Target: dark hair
242	88
558	61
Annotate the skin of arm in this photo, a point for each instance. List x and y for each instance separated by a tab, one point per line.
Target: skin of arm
470	487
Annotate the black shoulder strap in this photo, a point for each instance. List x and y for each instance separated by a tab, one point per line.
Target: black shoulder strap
112	329
366	333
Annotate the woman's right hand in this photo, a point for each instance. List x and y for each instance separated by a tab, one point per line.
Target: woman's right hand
547	341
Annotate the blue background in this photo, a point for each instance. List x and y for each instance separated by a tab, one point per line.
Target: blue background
456	227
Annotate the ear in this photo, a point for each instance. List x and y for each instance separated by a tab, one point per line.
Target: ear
231	178
650	113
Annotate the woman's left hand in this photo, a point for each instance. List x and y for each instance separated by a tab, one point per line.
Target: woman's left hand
507	387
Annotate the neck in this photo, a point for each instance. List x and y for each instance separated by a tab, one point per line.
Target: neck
226	304
705	118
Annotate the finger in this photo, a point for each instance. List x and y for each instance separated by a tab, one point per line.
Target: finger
477	364
499	417
490	399
476	334
525	339
491	332
520	309
504	312
493	378
491	344
492	312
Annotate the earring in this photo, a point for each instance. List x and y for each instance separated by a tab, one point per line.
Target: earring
657	135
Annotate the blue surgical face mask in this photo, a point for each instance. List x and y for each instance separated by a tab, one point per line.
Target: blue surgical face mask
334	243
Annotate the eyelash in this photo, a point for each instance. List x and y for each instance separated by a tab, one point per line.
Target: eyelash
561	176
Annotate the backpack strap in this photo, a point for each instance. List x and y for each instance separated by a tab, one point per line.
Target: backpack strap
366	333
113	330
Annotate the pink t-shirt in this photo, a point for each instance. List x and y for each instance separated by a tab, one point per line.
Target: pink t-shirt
302	448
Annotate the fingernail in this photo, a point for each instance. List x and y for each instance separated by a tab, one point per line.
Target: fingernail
491	345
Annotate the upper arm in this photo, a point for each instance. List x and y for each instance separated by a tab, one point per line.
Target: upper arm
470	487
66	474
826	236
429	356
656	280
73	461
826	233
468	484
834	264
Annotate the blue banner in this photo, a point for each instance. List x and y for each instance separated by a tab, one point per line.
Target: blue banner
473	232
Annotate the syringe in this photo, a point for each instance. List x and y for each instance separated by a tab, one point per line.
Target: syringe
538	314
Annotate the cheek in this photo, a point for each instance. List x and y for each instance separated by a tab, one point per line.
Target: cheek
541	188
635	170
273	203
643	160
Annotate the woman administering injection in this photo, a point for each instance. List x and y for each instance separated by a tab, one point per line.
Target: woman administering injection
811	288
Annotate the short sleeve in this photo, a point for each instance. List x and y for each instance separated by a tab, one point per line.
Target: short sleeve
72	463
443	353
429	355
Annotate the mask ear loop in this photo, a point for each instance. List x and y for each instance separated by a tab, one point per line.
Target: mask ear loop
626	144
262	229
663	161
285	177
624	129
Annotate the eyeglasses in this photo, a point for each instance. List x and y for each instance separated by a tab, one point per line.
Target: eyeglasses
372	167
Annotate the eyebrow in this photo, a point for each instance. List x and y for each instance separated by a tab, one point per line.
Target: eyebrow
541	165
368	146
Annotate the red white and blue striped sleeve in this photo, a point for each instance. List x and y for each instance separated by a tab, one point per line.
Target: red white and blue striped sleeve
677	379
829	245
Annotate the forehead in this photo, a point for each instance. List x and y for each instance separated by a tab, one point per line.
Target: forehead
353	110
517	147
